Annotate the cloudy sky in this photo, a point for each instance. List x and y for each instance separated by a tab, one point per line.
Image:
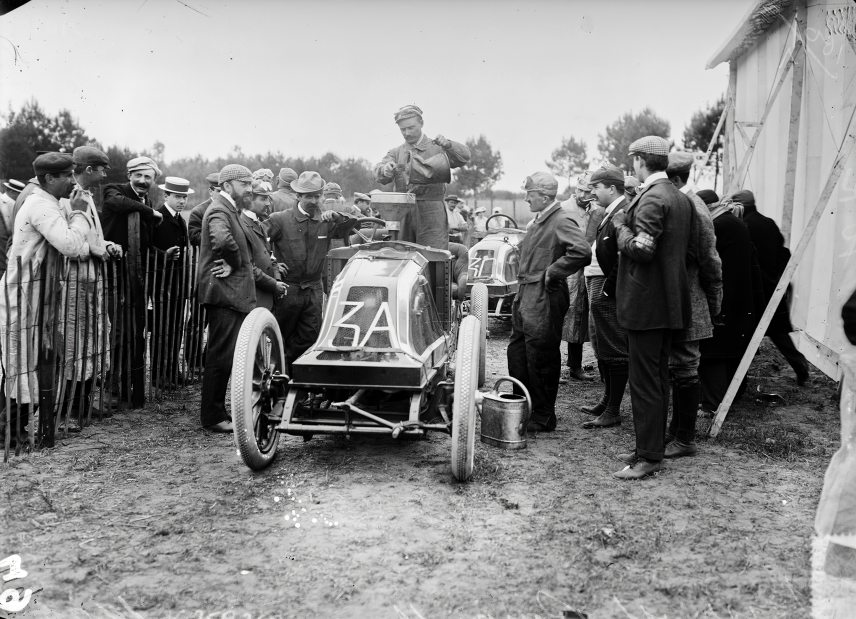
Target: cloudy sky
307	77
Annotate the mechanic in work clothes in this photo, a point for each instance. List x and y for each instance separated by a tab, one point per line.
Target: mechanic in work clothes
422	166
301	239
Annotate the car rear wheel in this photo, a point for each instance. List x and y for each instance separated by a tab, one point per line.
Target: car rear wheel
478	308
464	403
259	355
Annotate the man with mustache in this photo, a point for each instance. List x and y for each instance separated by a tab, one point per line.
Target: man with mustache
422	166
227	288
42	224
120	201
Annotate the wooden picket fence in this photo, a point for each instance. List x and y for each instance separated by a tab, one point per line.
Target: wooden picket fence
88	338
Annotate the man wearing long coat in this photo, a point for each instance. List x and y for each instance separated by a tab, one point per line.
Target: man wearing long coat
553	248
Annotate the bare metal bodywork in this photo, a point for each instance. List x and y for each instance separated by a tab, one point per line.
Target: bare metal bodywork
494	261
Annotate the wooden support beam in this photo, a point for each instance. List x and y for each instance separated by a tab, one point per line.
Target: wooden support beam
730	154
717	131
743	169
844	152
797	80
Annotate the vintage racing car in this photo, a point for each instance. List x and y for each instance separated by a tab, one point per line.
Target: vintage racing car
382	363
494	262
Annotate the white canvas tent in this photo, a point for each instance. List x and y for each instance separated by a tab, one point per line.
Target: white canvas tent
790	100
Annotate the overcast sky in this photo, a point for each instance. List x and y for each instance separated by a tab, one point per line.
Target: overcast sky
307	77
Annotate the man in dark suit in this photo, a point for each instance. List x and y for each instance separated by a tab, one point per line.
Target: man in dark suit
653	295
553	248
227	288
773	258
269	285
167	272
194	222
608	338
126	303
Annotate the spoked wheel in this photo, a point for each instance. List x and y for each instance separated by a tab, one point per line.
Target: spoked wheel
464	404
478	308
259	355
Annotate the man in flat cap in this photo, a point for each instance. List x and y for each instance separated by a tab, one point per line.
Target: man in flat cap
652	296
301	237
422	166
194	222
575	328
269	285
284	197
124	203
608	338
85	306
704	272
166	268
456	221
553	248
773	258
41	225
227	288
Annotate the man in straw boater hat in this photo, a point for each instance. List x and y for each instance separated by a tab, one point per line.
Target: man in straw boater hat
422	166
227	288
42	224
652	296
301	237
167	278
7	205
194	222
553	248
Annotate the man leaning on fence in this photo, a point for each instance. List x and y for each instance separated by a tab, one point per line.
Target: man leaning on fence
42	228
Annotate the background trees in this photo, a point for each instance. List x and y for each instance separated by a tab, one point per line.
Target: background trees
483	169
569	159
614	142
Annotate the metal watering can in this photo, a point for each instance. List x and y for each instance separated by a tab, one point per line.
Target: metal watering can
504	416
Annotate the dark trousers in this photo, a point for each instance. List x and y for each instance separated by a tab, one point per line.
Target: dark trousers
535	358
299	318
126	308
794	357
427	224
649	389
575	355
223	327
715	376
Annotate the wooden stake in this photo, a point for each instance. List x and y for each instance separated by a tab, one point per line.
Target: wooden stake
794	126
835	173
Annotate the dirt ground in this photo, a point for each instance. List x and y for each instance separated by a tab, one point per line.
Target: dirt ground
144	515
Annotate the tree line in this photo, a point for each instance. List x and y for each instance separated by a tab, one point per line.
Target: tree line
31	130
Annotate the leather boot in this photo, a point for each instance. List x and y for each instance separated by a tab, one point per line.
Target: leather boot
686	394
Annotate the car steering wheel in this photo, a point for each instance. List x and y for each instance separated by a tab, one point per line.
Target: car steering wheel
498	215
377	223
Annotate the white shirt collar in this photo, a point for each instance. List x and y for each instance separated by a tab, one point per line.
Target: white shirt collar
612	205
251	214
228	198
300	208
686	189
654	177
171	210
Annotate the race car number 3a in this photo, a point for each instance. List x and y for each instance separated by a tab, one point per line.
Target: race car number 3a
380	324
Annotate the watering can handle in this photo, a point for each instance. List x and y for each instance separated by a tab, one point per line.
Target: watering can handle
516	382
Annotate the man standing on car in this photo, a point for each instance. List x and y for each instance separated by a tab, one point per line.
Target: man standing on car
553	248
422	166
301	238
